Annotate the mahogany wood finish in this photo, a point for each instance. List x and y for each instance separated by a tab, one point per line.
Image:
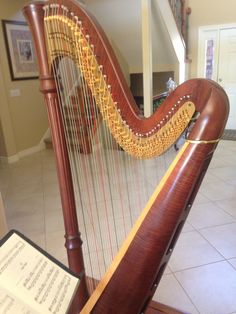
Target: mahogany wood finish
154	242
34	13
155	307
151	248
131	291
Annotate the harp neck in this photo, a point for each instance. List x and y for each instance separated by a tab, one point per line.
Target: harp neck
143	138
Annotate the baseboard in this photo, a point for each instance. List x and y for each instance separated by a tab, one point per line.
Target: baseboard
46	135
25	152
9	160
31	150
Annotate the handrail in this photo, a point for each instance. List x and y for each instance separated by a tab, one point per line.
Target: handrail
181	13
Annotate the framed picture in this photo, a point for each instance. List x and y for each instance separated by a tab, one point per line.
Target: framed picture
20	50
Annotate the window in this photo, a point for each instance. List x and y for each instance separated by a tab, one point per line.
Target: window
209	59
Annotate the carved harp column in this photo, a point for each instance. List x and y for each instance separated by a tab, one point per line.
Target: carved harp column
35	15
64	30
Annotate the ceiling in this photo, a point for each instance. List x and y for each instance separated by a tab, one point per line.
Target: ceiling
121	20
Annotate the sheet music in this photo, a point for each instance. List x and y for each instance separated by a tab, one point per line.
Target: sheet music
10	304
30	276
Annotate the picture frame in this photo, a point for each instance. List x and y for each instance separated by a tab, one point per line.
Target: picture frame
20	50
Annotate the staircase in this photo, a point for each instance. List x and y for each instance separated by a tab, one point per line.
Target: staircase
175	15
80	122
181	15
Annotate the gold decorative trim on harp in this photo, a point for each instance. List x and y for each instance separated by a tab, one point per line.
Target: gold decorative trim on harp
203	142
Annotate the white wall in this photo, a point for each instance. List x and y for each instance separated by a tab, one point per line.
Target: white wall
207	12
23	118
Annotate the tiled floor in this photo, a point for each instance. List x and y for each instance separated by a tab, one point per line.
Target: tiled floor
201	276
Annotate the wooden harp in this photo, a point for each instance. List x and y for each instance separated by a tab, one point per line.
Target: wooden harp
65	33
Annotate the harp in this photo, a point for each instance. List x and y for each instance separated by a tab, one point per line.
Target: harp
84	89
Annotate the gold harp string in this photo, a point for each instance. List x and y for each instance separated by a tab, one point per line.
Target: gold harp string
100	95
98	154
76	146
65	48
88	212
74	167
102	165
104	162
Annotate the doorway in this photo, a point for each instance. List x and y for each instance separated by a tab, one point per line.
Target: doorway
217	61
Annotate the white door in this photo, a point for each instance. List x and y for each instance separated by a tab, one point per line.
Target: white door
227	70
217	61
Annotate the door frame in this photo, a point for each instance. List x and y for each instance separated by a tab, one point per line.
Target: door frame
202	31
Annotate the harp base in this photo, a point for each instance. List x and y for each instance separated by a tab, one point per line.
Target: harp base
153	307
159	308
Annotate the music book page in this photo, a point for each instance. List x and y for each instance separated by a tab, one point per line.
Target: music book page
31	282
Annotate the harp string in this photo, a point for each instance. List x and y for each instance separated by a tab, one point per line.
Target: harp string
70	106
90	220
110	166
102	164
74	159
112	162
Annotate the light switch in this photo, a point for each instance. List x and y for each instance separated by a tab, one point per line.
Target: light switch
15	92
